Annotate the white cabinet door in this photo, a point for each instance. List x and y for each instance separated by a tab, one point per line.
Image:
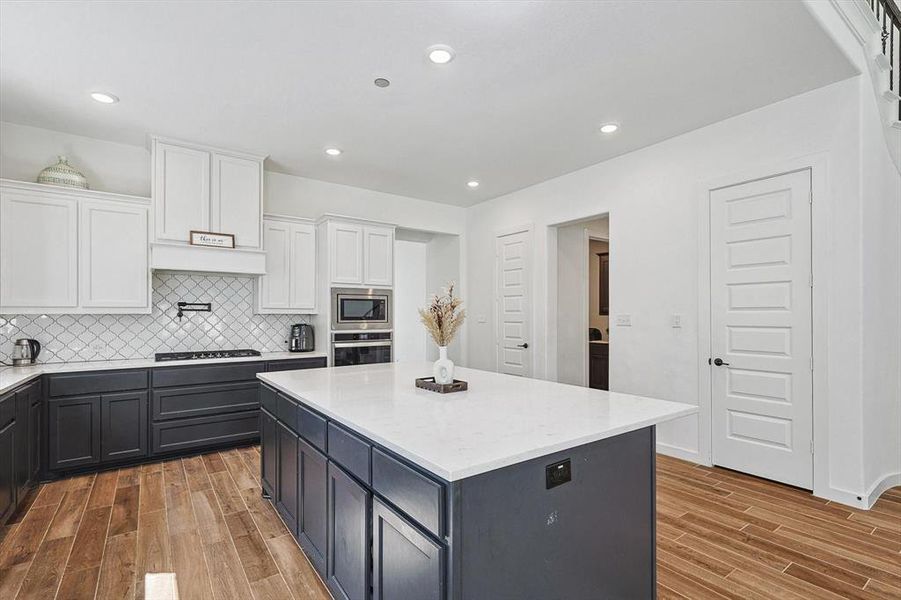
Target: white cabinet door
275	284
346	253
181	192
303	266
378	256
38	251
236	204
113	256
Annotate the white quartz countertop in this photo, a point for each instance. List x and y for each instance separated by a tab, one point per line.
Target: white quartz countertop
11	377
499	421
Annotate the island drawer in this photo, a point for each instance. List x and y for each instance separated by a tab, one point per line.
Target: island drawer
191	375
269	399
311	427
349	451
196	401
418	495
78	384
287	412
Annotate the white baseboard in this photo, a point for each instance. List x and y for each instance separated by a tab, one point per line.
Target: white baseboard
679	452
889	481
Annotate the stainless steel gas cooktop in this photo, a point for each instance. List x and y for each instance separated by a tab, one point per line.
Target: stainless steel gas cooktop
205	354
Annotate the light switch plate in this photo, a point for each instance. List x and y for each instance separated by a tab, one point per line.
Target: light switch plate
624	320
677	321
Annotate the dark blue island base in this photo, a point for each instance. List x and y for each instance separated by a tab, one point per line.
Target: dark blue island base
573	525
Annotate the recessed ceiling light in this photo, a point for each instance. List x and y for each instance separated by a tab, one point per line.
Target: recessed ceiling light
609	127
381	82
104	98
440	54
473	184
333	151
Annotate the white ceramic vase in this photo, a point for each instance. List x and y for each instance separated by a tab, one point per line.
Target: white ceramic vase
443	369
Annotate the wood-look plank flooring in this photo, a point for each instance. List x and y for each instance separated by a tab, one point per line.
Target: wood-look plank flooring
201	518
720	535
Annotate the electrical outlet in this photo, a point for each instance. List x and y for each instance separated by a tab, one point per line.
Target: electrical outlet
624	320
677	321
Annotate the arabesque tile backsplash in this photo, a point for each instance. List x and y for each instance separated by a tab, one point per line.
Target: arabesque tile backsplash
231	324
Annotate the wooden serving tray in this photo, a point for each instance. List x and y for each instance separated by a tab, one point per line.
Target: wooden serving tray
428	383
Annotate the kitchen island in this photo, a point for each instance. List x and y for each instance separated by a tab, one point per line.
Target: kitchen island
517	488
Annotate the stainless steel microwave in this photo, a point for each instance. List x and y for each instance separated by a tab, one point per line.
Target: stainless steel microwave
354	308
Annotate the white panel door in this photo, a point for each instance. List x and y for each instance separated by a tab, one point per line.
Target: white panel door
275	285
378	256
513	276
303	266
38	251
760	275
346	253
181	192
236	201
113	255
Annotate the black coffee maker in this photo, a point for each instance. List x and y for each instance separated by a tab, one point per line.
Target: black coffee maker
301	338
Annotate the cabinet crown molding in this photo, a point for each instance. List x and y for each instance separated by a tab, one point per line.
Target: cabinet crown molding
59	190
287	218
358	220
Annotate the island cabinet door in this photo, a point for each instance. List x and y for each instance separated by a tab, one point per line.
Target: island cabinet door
312	524
347	568
269	451
286	485
406	563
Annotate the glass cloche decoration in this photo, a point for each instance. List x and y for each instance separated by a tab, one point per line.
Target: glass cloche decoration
63	174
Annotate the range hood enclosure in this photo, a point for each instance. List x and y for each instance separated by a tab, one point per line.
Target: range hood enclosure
178	257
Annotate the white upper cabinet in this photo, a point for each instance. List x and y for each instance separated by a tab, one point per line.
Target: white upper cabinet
38	251
303	266
289	285
114	255
346	253
72	251
181	191
360	254
198	188
237	198
378	256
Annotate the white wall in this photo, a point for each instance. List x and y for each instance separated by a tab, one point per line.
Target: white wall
652	196
444	264
410	293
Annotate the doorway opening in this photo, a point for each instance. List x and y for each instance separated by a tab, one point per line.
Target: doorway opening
583	302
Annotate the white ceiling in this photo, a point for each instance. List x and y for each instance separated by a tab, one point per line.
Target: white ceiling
521	103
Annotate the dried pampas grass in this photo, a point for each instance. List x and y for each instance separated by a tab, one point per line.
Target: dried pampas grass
443	316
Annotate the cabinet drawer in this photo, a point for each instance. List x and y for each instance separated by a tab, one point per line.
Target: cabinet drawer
196	401
201	432
418	495
76	384
349	451
191	375
311	427
269	399
287	412
294	364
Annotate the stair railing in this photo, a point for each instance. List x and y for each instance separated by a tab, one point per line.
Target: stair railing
889	17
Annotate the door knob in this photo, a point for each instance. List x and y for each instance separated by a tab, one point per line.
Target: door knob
719	362
525	345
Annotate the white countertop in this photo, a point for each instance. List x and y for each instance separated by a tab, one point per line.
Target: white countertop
501	420
11	377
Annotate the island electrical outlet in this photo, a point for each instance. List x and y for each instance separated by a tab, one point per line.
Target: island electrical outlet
557	474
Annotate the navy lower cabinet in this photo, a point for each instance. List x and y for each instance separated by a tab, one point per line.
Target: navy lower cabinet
73	432
406	563
35	437
123	433
269	453
7	459
286	486
312	518
347	567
